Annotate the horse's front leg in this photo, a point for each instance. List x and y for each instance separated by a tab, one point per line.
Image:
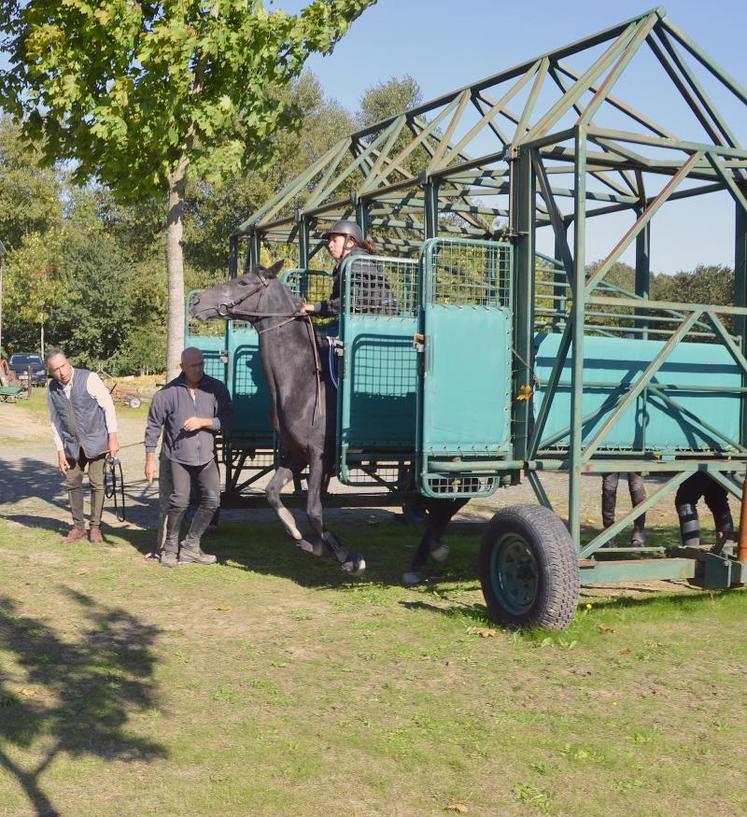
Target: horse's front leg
440	513
351	562
282	476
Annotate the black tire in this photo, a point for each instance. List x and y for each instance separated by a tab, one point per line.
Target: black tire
529	568
134	402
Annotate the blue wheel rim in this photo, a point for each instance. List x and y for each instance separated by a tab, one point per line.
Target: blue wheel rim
514	574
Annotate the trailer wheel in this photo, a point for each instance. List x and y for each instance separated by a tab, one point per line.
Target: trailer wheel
529	568
134	402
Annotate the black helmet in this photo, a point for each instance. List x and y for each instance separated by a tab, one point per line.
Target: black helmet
345	227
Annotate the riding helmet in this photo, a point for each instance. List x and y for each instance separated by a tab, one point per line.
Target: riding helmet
345	227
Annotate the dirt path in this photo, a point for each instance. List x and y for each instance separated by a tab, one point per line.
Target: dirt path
31	490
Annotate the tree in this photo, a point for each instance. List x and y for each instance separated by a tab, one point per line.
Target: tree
387	99
29	199
139	95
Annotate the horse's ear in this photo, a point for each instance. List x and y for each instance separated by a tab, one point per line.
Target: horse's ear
275	269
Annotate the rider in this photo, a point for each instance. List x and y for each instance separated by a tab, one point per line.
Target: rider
370	289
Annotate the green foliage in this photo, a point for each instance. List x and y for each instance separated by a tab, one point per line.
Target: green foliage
130	90
388	99
29	197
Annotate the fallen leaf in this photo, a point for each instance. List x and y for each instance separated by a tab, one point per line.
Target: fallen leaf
603	628
485	632
626	651
28	693
223	609
459	808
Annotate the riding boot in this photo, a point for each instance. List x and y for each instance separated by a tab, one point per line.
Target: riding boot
637	495
725	534
689	525
609	504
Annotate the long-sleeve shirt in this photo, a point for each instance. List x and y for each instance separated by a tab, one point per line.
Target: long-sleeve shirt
174	405
98	391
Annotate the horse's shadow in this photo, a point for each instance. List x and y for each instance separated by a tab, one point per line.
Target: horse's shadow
77	695
264	548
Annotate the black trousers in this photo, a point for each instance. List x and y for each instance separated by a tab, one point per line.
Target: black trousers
207	479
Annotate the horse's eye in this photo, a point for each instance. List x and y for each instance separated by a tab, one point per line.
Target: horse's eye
242	282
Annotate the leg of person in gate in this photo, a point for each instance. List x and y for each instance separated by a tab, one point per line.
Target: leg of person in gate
717	500
208	480
96	480
74	485
609	502
637	495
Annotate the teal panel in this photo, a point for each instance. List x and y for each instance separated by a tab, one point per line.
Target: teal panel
466	385
248	385
378	383
701	377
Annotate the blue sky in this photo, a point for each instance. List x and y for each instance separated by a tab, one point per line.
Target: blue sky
445	45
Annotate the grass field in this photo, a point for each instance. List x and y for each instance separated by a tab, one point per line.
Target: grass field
271	685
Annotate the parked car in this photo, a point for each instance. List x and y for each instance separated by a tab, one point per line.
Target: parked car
23	363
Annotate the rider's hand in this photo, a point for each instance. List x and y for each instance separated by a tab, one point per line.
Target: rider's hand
307	308
62	463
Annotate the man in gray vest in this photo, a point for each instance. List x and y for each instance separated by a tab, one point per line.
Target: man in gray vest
84	429
191	410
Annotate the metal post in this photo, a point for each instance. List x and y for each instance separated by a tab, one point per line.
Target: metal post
524	222
430	189
233	256
303	242
2	260
642	275
560	278
577	336
740	299
362	216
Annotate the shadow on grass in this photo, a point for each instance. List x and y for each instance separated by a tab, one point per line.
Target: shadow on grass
29	478
75	697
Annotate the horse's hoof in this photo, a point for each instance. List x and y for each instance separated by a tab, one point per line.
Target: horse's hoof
355	565
314	548
440	553
411	578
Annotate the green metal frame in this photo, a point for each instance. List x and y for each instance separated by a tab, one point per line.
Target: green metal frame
540	146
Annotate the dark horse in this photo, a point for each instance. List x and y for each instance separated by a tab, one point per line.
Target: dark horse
303	417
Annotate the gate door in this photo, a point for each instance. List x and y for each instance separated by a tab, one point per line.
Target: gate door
377	375
464	404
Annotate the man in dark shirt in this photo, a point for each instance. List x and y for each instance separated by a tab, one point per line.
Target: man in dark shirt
191	410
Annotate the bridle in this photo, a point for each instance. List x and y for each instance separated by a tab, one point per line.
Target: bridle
264	283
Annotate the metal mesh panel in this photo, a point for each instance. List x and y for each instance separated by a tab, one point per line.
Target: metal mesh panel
462	486
382	286
470	273
311	285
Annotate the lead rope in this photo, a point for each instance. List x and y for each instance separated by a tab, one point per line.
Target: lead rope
112	476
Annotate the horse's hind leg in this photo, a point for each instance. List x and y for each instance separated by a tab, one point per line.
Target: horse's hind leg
351	562
282	476
440	513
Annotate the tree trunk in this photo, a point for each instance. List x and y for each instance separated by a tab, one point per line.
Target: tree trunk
175	268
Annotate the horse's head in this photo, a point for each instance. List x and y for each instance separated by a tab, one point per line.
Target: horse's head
237	298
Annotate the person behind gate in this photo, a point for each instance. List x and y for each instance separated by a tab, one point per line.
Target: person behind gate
84	429
370	288
191	410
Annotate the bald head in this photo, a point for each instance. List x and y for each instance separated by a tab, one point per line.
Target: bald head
193	365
